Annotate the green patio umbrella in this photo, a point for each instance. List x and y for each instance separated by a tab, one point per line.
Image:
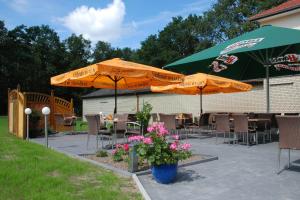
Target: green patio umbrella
266	52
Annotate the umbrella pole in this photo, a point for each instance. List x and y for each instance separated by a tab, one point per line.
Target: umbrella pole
201	111
267	88
114	142
115	111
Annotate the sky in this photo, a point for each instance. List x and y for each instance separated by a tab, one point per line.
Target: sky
123	23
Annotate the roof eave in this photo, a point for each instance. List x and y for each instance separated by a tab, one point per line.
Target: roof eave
112	95
253	18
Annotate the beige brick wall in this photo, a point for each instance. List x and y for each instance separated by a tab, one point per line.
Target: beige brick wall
284	93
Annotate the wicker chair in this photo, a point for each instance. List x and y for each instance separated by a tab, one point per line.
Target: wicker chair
264	128
122	121
222	125
64	122
241	127
154	117
211	120
289	135
94	127
132	128
169	121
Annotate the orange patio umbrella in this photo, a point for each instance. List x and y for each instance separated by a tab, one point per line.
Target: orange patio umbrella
203	84
117	74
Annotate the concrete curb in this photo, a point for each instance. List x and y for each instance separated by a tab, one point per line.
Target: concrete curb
141	187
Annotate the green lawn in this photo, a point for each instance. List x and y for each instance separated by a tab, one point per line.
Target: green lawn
30	171
81	125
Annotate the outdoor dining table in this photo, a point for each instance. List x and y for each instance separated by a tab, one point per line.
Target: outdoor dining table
266	121
181	120
254	121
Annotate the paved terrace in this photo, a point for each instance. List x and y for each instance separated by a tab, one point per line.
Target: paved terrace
241	173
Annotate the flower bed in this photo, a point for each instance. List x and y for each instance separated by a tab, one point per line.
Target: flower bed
123	165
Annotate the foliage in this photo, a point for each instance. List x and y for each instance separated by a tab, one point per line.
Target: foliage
144	115
109	126
101	153
36	172
184	36
80	125
34	119
157	150
120	152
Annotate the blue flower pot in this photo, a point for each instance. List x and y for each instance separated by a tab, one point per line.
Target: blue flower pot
165	173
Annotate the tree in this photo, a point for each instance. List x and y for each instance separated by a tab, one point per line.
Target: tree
229	18
185	36
78	51
149	53
102	51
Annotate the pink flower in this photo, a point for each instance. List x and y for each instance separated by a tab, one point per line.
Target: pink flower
118	146
173	146
162	131
147	140
136	138
114	151
126	147
186	146
175	137
150	129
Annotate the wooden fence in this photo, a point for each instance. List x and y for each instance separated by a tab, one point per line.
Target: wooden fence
18	101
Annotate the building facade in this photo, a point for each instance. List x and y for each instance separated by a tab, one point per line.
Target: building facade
284	93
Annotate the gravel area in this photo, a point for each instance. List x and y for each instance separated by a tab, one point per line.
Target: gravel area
124	165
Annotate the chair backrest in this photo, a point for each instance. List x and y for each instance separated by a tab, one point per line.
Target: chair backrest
132	118
59	119
204	119
271	124
240	122
121	123
93	123
222	123
154	117
169	120
188	118
251	115
122	117
289	132
293	114
264	115
211	118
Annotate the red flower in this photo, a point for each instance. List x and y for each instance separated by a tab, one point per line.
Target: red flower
126	147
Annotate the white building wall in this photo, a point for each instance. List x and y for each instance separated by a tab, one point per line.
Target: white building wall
288	20
284	93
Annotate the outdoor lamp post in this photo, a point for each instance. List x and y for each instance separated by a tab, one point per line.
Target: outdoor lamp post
115	120
46	112
27	111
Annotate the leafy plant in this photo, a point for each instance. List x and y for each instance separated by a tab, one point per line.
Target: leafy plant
143	116
101	153
157	150
120	153
109	126
34	123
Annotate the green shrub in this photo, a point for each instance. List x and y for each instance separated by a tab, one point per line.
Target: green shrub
120	152
101	153
143	116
